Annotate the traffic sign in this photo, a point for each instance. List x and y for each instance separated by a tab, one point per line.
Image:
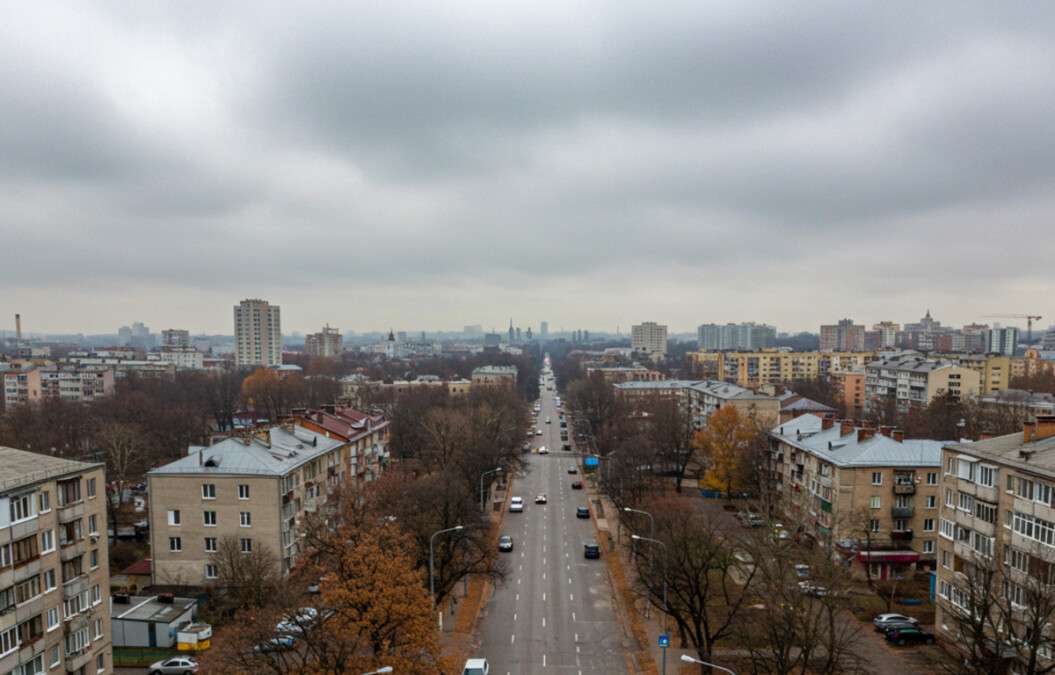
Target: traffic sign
590	461
664	640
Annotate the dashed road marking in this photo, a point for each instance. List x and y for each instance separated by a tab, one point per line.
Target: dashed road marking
512	638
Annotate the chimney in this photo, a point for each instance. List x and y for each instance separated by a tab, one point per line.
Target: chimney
1042	426
898	435
846	427
863	434
827	423
201	460
18	327
886	430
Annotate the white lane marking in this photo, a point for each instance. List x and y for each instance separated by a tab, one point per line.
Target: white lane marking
543	622
576	649
573	616
543	660
514	616
518	582
571	596
512	638
543	576
517	598
569	580
569	569
543	596
576	637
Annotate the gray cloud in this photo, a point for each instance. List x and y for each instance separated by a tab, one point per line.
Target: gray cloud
589	163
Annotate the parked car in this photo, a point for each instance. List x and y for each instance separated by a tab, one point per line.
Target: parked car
476	667
543	450
913	635
296	624
549	421
516	505
576	485
896	625
505	543
279	643
582	512
802	571
540	499
591	550
573	469
882	621
750	519
177	665
810	588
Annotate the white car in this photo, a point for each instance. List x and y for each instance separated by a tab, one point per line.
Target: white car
549	421
296	624
516	505
476	667
884	620
540	499
543	450
177	665
538	432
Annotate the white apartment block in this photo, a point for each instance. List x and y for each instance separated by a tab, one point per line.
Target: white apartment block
914	380
184	358
257	334
649	338
326	343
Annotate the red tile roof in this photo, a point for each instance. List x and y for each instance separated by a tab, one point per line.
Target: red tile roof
143	566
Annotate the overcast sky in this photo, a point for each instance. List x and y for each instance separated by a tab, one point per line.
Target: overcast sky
434	164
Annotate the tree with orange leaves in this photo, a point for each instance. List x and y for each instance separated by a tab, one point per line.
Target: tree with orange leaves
726	444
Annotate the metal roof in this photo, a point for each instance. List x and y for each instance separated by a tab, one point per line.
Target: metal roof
20	468
805	432
285	452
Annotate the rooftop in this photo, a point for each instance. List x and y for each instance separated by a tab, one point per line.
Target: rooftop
803	404
20	468
285	450
149	608
658	384
495	370
806	433
1035	456
916	364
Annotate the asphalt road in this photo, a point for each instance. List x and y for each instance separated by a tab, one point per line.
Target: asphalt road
554	611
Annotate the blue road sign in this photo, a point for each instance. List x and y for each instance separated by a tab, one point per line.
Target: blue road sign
664	640
590	461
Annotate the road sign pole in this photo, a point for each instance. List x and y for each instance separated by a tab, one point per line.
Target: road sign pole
664	672
664	642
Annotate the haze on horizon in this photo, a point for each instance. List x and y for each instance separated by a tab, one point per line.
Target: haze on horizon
596	165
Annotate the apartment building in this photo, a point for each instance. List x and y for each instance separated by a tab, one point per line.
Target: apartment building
869	490
183	358
845	336
771	366
1002	341
849	386
1032	363
914	380
21	385
355	388
54	566
740	336
366	436
257	334
175	337
256	489
998	513
649	339
494	376
326	343
613	374
994	370
67	382
702	398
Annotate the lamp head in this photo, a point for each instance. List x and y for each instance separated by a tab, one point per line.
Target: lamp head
687	659
459	527
634	536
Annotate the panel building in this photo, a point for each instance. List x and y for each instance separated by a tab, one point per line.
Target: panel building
739	336
845	336
257	334
649	339
54	566
326	343
916	381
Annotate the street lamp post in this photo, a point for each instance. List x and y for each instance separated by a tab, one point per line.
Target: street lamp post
482	476
432	566
651	534
688	659
666	607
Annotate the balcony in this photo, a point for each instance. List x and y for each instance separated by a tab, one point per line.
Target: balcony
901	511
71	512
25	528
901	535
904	488
27	570
79	659
75	586
73	549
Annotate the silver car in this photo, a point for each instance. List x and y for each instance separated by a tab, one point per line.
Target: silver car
177	665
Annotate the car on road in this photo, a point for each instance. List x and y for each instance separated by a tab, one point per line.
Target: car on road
810	588
573	469
476	667
566	447
549	421
279	643
591	550
543	450
516	504
505	543
540	499
582	512
576	485
910	635
882	621
177	665
538	432
749	519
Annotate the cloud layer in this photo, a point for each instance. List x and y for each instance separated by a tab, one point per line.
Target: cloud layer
426	165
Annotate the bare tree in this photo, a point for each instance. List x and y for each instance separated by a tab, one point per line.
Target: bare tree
246	580
123	445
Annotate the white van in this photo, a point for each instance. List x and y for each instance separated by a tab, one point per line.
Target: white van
476	667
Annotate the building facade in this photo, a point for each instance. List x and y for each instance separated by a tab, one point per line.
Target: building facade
870	492
326	343
1002	341
738	336
174	337
183	358
845	336
649	339
755	369
849	386
916	381
257	334
495	376
54	566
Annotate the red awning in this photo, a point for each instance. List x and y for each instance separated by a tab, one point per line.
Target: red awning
888	556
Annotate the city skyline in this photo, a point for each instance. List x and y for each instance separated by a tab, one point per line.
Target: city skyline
596	165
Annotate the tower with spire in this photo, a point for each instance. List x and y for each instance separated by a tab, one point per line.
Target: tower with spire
511	332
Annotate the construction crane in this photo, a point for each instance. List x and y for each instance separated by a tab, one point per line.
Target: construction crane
1030	318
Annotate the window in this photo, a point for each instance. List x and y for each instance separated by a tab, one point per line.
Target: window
950	466
70	532
245	519
25	550
877	478
210	571
873	525
985	511
931	502
963	534
247	545
93	557
47	541
928	524
91	487
243	492
986	475
49	581
209	518
874	502
210	544
175	544
27	590
22	508
965	469
1017	559
947	528
5	555
7	599
900	525
93	527
53	618
45	501
208	491
9	641
76	642
928	546
1010	484
100	663
932	478
97	596
983	544
945	559
950	497
69	491
966	502
174	517
97	633
1034	528
1043	494
1025	488
34	666
55	657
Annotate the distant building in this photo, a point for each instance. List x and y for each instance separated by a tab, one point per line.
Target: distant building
738	336
184	358
1032	363
543	330
257	334
614	374
475	330
845	336
849	387
1048	344
326	343
355	388
1034	403
886	334
770	366
916	381
702	398
994	370
492	340
494	376
174	337
72	383
649	339
1002	341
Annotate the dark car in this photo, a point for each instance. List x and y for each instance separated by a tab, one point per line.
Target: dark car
576	485
896	625
505	543
909	635
591	550
582	512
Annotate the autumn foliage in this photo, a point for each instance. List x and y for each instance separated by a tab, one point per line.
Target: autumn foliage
725	444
